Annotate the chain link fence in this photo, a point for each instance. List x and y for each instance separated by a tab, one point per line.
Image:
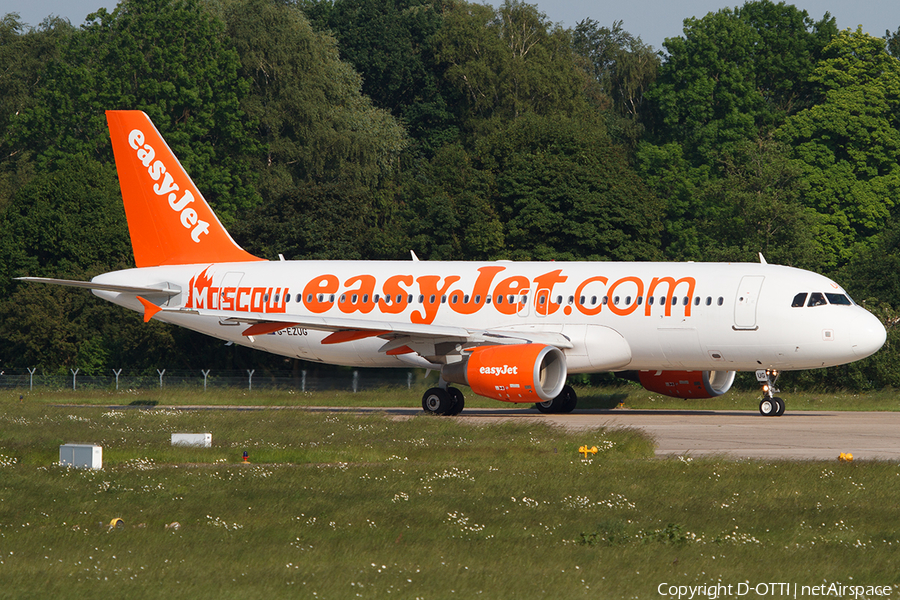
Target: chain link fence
304	380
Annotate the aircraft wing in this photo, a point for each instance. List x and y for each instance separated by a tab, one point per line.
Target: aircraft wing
398	334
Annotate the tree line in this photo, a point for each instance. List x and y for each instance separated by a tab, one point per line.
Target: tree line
363	129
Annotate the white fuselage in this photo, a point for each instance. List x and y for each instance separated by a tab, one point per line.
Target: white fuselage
618	316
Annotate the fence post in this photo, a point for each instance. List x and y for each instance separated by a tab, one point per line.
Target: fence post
31	378
74	374
355	381
303	380
205	375
117	378
250	372
161	373
409	380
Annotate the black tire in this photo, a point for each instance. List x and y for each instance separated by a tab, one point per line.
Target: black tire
564	403
437	401
459	401
768	407
780	403
546	407
569	399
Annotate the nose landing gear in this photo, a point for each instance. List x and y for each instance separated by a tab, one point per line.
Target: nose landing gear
770	405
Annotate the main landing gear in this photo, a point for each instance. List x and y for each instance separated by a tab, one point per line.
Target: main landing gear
449	401
770	405
443	401
564	403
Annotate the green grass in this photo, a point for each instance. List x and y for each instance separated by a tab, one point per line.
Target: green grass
628	396
345	506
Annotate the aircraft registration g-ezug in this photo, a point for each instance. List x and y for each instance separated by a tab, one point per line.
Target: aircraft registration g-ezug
511	331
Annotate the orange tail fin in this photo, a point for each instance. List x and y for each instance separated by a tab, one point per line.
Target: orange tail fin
169	221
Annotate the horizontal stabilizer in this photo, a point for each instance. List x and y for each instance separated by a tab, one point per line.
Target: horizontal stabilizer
150	309
90	285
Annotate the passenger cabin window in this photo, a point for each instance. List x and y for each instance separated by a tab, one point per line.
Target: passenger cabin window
799	300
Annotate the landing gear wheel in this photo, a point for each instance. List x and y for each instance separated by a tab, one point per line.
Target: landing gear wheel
564	403
459	401
780	403
771	405
546	407
438	402
569	399
768	407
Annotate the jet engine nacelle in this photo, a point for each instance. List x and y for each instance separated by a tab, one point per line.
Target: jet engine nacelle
514	373
687	384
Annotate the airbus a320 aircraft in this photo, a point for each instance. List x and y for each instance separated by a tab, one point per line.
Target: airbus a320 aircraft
511	331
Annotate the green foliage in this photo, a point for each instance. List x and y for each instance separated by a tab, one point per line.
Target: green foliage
756	206
52	225
542	188
24	55
849	145
167	57
389	44
735	75
363	129
447	209
507	63
306	104
623	68
893	42
565	193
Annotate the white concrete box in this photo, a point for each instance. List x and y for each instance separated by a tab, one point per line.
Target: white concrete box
203	440
82	456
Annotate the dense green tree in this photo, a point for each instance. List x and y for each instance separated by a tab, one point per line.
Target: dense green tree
565	192
24	53
666	171
51	228
446	210
167	57
893	42
756	206
306	103
507	63
623	67
735	75
389	44
849	145
328	150
750	201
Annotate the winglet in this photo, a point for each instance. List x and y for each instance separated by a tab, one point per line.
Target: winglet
169	220
150	309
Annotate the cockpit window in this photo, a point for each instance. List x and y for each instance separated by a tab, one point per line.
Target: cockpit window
799	300
816	299
839	299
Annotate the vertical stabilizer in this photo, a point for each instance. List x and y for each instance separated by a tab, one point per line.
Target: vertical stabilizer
169	220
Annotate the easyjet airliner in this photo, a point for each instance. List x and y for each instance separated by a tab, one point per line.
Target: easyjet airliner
511	331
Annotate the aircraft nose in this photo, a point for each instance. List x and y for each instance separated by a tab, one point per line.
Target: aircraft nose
868	335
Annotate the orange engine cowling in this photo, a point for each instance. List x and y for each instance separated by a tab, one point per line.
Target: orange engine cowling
516	373
687	384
